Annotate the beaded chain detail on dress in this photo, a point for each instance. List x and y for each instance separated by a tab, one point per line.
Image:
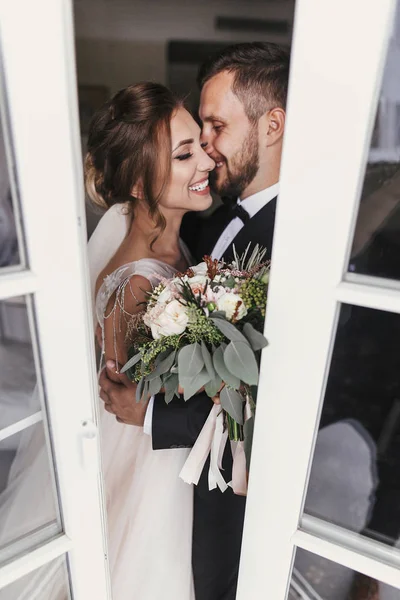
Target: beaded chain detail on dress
117	283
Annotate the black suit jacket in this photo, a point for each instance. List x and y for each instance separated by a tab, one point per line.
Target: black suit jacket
178	424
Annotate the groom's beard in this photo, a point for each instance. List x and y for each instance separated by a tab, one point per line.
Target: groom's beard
243	168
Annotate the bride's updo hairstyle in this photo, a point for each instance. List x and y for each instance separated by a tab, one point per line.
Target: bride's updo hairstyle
129	148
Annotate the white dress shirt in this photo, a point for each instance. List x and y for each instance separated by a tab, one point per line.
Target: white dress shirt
253	204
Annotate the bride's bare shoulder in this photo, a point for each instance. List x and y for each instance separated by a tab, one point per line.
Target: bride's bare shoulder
125	255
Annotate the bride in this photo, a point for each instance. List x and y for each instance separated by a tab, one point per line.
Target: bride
144	158
144	150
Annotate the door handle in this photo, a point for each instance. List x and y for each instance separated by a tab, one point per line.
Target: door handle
89	438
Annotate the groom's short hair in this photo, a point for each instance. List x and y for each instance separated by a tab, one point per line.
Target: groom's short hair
261	74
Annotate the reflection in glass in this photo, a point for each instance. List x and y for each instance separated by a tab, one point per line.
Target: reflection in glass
376	243
17	374
42	583
29	512
9	247
355	475
317	578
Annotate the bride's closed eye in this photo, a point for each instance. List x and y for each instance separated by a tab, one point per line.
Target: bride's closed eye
184	156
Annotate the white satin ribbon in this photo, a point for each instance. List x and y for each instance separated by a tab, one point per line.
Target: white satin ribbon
239	468
211	439
217	450
239	472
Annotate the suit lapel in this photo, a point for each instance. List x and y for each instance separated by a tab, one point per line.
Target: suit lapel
258	230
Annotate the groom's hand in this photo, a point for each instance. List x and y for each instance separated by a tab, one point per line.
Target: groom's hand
119	396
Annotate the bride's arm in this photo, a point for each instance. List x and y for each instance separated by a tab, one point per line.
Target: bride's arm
122	307
117	392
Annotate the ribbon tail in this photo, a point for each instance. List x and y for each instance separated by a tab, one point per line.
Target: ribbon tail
217	449
239	471
222	448
194	464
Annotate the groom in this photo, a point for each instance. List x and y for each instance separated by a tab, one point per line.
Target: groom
242	108
243	100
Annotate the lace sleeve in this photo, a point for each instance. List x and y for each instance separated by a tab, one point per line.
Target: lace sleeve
126	302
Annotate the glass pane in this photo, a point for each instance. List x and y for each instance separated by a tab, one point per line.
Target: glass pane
29	513
50	581
376	243
17	374
316	578
355	475
11	243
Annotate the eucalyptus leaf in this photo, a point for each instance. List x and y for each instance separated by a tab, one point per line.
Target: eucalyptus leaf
230	283
165	365
194	385
142	390
255	338
163	355
171	385
208	360
239	359
232	403
131	362
223	372
154	385
145	391
229	330
184	381
139	389
248	429
218	314
190	360
212	387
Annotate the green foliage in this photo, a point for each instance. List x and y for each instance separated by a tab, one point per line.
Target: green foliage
201	328
254	295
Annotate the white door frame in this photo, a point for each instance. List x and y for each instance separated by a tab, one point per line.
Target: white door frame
39	71
338	54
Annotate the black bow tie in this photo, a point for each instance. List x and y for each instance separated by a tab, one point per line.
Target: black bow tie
239	211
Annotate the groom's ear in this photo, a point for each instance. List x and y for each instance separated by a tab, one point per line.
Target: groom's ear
274	125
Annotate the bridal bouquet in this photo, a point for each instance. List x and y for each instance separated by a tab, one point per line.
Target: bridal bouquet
202	330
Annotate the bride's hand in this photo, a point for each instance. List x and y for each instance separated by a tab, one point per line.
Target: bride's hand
119	397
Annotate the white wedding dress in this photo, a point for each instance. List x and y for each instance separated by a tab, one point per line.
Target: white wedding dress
149	508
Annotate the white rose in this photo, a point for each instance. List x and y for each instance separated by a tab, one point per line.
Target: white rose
198	279
228	303
200	269
155	331
172	321
151	320
197	283
165	296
